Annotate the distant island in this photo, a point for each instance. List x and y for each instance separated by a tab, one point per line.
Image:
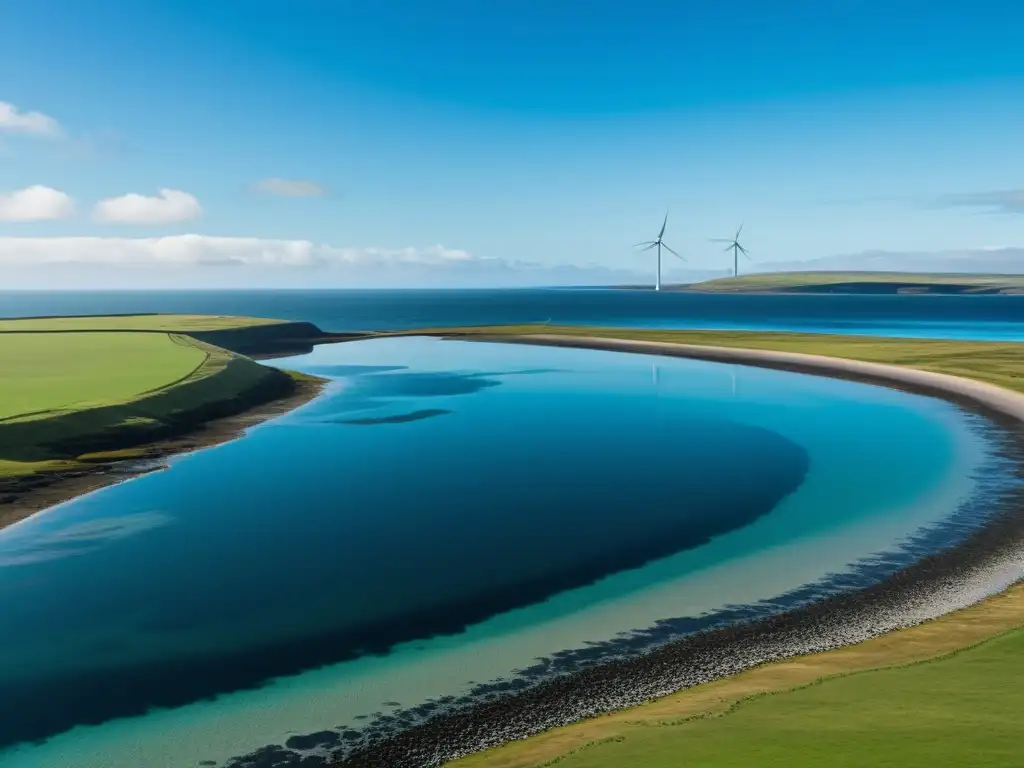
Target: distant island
854	283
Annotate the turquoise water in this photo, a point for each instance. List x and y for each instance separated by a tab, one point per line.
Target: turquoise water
447	513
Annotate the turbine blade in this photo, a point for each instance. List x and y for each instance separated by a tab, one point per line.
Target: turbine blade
672	252
741	247
663	225
728	247
645	242
738	232
649	246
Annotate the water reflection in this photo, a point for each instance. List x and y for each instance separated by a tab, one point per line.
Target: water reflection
75	538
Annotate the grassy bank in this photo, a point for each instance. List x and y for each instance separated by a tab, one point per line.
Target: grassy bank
945	692
862	282
52	372
252	336
91	391
154	322
67	397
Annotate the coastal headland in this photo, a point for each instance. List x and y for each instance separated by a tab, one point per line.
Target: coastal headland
89	401
833	282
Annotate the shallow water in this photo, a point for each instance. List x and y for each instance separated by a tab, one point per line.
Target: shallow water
953	317
448	513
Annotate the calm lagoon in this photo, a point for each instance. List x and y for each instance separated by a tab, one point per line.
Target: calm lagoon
446	514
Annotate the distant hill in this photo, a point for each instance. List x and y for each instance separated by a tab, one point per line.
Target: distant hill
860	283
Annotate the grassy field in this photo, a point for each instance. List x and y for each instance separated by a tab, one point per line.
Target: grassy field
947	692
169	323
859	281
53	372
68	398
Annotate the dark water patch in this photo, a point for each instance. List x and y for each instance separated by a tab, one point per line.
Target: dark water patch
949	566
401	418
491	558
370	387
419	384
316	740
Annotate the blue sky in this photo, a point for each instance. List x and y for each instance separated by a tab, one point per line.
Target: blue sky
458	139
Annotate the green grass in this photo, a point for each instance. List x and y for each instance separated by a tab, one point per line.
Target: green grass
962	710
52	372
1000	363
171	323
66	398
780	281
949	687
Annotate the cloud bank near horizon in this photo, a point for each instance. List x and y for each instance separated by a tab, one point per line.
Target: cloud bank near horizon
196	261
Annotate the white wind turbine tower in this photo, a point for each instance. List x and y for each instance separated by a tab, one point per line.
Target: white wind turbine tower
658	243
735	247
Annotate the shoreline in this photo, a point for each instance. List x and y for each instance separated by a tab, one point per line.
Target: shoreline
49	489
986	563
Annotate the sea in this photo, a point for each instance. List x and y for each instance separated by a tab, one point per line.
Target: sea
950	317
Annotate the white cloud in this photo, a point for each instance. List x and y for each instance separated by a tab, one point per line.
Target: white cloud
170	206
290	187
36	203
203	250
200	260
31	123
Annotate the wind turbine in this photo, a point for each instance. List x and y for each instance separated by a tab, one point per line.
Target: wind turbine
735	247
658	243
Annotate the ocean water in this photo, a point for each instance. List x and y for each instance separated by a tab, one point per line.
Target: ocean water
954	317
444	516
